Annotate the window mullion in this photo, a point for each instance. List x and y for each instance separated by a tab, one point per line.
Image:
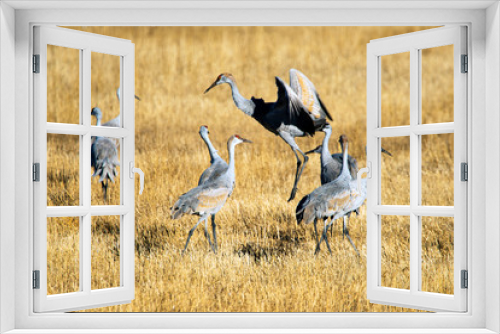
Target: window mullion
85	168
414	170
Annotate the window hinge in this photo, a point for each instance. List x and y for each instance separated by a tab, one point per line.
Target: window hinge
36	172
464	171
465	64
36	63
465	279
36	279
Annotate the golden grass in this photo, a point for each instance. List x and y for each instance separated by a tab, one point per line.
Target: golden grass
265	261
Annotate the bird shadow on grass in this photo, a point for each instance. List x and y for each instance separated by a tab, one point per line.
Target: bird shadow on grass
152	238
279	246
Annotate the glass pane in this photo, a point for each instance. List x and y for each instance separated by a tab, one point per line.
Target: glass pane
437	84
105	252
395	233
437	254
105	79
395	170
437	170
63	170
63	255
395	92
105	159
63	85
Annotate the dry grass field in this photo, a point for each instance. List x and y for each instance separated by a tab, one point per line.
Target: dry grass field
265	261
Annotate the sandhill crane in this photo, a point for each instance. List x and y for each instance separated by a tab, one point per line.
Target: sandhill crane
298	112
217	165
331	166
331	200
103	156
208	198
104	159
115	122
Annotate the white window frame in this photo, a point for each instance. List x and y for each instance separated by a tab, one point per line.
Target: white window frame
484	103
86	44
414	43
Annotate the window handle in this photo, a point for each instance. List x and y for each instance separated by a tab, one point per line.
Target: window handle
133	170
367	170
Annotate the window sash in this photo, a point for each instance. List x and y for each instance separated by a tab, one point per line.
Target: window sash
86	298
414	42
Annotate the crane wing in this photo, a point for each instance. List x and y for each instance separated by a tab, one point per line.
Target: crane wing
199	200
210	198
115	122
353	165
308	95
293	107
213	172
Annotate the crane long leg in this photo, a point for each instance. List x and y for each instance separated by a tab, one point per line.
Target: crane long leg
323	236
316	231
346	233
191	232
326	236
105	190
298	172
213	230
208	236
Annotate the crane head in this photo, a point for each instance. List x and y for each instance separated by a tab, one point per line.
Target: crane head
238	140
222	78
343	140
96	111
204	130
327	128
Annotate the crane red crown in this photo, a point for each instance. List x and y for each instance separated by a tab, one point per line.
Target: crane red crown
227	75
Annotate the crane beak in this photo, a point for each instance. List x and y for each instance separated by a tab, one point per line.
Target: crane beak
212	86
246	140
386	152
316	150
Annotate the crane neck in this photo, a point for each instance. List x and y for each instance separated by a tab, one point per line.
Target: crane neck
211	149
247	106
230	147
345	167
98	121
326	157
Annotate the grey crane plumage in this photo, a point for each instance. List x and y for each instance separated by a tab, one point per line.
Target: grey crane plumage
331	164
104	160
332	200
331	167
208	198
104	151
115	122
298	112
217	165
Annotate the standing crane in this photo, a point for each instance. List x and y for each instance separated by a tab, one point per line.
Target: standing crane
209	197
115	122
298	112
332	200
331	167
217	165
103	157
